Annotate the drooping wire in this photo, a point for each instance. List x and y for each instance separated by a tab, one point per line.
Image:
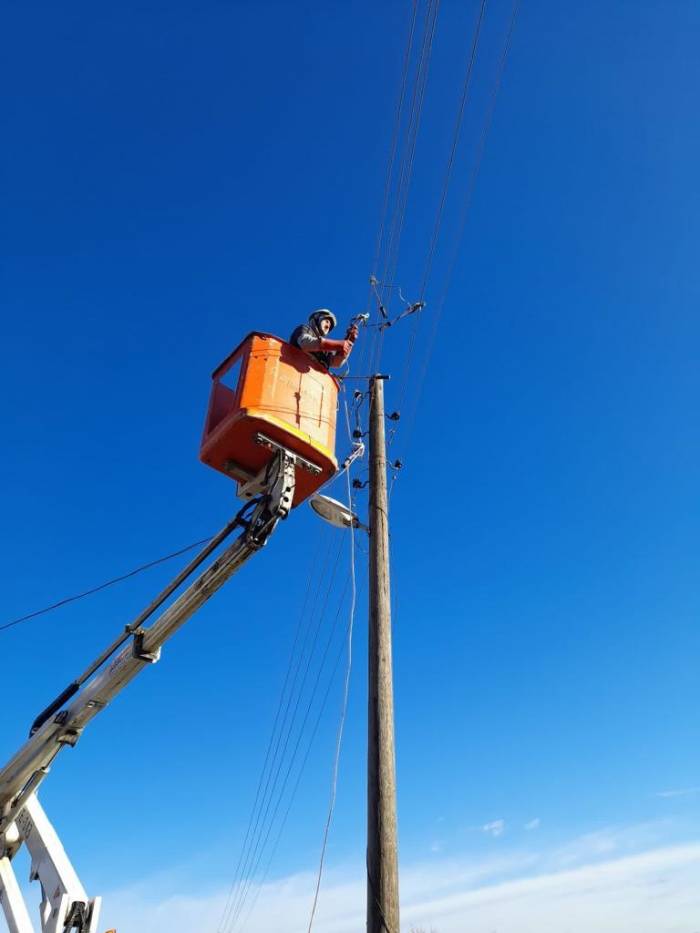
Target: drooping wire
103	586
344	707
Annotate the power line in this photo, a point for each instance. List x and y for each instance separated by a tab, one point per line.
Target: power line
244	890
260	834
465	213
102	586
300	774
443	198
394	144
453	151
262	842
421	81
372	349
302	615
280	741
390	168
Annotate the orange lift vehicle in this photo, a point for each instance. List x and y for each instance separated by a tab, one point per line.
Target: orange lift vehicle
269	396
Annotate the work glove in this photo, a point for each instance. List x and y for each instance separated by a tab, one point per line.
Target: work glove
336	346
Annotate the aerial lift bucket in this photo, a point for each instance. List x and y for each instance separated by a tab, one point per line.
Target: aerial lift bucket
268	395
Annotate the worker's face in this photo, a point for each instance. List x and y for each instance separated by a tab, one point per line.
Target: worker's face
325	325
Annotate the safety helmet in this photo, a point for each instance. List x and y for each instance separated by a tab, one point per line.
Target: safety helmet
322	313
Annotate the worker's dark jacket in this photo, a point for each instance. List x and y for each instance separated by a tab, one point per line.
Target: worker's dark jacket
305	337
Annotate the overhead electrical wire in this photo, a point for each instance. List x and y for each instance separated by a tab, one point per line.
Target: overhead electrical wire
238	914
439	307
280	738
271	796
407	161
389	235
389	264
256	828
367	349
300	774
389	243
267	825
409	150
102	586
453	151
392	151
456	135
283	693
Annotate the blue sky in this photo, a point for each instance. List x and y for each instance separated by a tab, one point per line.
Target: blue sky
176	175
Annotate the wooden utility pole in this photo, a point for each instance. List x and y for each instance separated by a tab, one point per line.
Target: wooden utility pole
382	850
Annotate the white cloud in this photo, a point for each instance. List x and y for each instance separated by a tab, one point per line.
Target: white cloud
682	792
653	891
533	824
495	828
606	843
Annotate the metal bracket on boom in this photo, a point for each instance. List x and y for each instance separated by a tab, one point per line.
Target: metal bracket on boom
278	479
264	480
139	652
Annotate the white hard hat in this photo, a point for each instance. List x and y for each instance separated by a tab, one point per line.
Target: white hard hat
324	312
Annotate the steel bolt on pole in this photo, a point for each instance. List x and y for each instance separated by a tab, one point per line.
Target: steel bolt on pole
382	848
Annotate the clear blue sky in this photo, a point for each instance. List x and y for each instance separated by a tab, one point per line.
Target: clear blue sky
178	174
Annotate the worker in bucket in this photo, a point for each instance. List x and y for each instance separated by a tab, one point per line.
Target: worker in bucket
313	339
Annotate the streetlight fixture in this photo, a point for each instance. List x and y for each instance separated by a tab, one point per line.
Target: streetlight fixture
335	513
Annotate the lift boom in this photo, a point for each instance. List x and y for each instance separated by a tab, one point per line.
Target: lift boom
65	906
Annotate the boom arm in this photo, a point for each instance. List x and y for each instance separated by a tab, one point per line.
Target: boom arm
21	777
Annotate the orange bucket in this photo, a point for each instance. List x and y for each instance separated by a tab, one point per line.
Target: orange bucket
269	389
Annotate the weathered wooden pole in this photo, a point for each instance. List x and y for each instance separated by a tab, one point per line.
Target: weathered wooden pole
382	849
